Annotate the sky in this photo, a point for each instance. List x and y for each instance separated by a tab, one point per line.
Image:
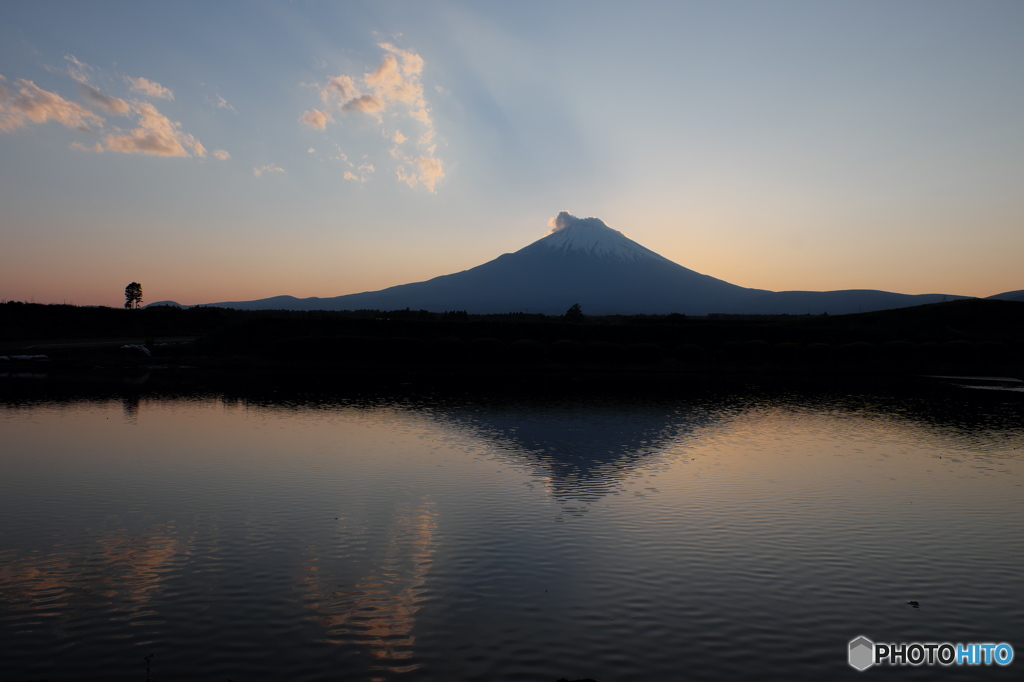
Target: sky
240	150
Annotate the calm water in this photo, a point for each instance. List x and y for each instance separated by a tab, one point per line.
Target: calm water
632	539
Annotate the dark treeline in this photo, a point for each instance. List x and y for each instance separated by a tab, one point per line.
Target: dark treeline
974	334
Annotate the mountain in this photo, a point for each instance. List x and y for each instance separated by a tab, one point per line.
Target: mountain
584	261
1010	296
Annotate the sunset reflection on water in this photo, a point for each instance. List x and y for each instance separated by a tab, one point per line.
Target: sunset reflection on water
117	571
500	539
379	612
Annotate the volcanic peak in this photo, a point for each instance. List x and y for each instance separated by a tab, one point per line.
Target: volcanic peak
591	236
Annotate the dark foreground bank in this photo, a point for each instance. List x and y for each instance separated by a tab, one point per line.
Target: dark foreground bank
967	337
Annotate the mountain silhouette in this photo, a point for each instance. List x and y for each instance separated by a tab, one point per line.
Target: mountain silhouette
1010	296
586	262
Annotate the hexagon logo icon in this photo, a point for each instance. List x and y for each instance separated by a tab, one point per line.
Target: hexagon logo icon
862	653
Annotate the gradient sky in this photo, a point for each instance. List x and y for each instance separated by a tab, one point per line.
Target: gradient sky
239	150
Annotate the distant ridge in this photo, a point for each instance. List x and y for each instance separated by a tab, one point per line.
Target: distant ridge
586	262
1010	296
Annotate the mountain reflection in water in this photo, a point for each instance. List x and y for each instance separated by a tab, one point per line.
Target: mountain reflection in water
429	539
582	450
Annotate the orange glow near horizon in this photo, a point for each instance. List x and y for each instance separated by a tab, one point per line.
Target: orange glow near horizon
754	259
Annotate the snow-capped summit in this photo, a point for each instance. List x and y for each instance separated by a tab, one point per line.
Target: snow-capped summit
580	261
592	236
586	262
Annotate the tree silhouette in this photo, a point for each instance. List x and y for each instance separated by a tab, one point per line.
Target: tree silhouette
133	295
574	314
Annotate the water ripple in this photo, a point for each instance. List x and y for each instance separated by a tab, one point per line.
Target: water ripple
731	538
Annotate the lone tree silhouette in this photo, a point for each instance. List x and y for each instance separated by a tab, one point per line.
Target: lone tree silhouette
574	314
133	295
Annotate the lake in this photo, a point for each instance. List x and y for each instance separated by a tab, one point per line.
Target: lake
706	536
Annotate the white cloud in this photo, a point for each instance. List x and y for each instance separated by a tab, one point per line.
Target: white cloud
222	103
30	103
269	168
561	221
150	88
77	70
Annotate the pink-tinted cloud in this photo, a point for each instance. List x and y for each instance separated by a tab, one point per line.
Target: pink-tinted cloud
425	170
397	82
30	103
221	154
150	88
392	92
368	104
155	135
315	118
423	116
431	171
359	173
112	105
269	168
341	86
85	148
77	69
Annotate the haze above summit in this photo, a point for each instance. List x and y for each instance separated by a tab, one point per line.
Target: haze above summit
244	151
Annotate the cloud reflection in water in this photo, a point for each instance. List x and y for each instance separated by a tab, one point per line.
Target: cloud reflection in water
379	612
